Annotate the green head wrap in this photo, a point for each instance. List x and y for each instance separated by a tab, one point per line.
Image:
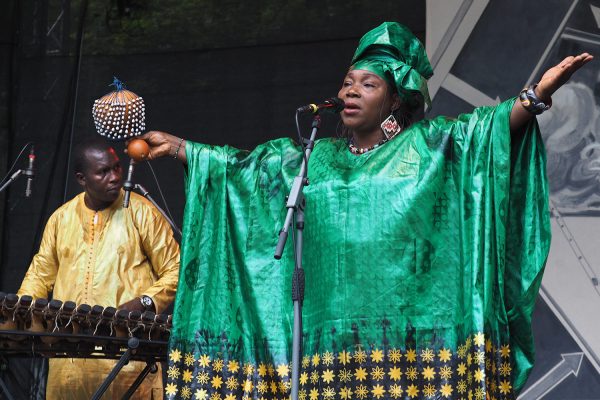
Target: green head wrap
392	52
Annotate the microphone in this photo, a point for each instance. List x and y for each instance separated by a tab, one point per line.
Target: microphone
128	185
333	105
138	150
29	172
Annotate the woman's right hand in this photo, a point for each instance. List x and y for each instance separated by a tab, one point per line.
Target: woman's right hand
163	144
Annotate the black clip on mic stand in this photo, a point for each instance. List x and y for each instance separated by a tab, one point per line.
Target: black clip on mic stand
295	205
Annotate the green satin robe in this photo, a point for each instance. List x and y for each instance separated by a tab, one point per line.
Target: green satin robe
423	259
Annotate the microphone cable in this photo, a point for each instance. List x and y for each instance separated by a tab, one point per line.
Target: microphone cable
161	192
301	140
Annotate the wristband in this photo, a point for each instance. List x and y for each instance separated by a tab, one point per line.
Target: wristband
178	147
531	102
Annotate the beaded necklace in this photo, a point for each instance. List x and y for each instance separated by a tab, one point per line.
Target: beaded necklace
362	150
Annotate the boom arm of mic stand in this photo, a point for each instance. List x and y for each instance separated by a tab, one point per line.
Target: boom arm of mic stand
146	194
11	179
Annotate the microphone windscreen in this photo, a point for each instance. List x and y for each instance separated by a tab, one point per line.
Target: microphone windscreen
338	104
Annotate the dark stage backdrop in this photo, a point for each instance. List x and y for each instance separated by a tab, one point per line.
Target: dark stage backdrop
215	71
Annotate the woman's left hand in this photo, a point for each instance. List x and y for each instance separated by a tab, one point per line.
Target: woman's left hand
558	75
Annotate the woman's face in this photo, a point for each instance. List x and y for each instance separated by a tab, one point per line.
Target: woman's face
368	101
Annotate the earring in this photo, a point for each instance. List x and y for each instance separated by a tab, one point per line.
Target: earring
390	127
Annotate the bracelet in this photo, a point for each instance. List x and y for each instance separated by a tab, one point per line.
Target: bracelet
178	147
531	102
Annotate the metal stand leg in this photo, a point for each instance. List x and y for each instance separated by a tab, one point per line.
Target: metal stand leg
150	367
3	387
5	390
297	298
132	345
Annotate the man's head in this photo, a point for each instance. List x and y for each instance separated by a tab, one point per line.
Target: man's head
98	171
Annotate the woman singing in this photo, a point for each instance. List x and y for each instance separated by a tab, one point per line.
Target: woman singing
424	246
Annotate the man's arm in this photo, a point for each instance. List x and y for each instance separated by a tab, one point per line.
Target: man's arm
163	253
41	275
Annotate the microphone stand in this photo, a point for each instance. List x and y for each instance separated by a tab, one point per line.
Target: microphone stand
295	205
28	172
146	194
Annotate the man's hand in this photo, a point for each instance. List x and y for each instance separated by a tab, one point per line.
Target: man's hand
133	305
558	75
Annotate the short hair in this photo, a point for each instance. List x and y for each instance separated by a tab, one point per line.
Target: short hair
80	161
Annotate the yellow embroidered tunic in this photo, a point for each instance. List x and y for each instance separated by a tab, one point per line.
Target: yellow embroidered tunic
106	257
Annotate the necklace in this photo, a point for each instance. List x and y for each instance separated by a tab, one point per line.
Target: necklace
362	150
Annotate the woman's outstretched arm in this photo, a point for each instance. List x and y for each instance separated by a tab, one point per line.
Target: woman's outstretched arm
551	81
